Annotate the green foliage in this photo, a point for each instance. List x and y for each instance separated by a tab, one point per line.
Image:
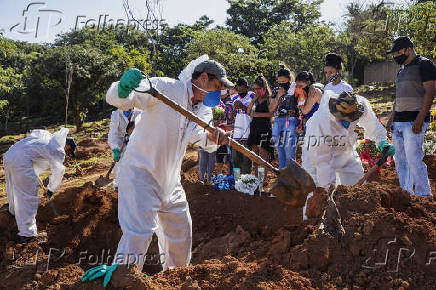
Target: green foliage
96	62
173	44
253	18
301	50
375	27
235	51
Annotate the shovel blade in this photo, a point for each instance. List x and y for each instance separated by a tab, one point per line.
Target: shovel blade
102	181
293	185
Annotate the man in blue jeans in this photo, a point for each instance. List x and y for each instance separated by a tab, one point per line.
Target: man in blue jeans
415	91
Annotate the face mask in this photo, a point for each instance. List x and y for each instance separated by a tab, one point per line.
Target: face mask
401	59
212	99
127	114
261	91
335	77
285	86
345	124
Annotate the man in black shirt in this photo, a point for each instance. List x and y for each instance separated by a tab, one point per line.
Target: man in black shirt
415	91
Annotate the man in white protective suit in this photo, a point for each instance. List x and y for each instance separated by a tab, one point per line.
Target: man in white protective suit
23	162
329	150
151	197
117	136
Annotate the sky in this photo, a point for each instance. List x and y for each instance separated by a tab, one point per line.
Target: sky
40	20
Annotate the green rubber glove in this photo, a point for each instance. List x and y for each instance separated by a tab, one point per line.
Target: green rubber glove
98	272
383	144
116	153
129	81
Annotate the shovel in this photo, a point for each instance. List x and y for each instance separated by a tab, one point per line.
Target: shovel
293	182
50	202
102	181
331	218
57	218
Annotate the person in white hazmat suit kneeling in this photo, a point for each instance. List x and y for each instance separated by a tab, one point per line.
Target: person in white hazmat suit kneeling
117	136
329	151
151	197
23	162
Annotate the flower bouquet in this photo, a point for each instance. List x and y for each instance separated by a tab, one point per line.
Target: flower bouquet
429	145
218	112
247	184
369	154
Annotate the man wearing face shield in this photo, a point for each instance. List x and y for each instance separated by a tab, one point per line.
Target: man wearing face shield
117	134
329	149
23	163
151	197
415	91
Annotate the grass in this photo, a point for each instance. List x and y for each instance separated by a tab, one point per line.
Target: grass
87	163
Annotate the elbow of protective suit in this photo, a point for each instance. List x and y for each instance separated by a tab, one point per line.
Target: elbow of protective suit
113	99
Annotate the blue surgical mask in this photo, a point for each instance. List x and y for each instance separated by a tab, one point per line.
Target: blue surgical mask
345	124
127	113
212	99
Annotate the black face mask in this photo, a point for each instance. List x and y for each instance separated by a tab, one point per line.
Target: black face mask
285	86
401	59
243	94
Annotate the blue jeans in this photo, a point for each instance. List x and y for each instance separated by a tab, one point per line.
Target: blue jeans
206	163
411	170
285	139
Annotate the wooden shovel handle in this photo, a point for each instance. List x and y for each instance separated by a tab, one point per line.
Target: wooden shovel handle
210	128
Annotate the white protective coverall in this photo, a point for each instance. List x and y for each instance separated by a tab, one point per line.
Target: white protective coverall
329	150
117	131
23	162
151	197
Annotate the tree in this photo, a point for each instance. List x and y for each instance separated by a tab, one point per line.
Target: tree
154	14
373	28
253	18
174	42
234	51
301	50
97	62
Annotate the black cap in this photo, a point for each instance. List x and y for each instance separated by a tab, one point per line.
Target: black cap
242	82
400	43
216	69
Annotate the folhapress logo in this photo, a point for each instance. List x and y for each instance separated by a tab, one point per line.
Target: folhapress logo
37	19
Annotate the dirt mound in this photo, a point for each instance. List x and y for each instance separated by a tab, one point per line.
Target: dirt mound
242	241
91	148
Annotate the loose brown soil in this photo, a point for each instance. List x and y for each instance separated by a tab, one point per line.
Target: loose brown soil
241	241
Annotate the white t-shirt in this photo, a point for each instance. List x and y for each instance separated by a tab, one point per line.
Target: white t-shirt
339	88
241	130
342	86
